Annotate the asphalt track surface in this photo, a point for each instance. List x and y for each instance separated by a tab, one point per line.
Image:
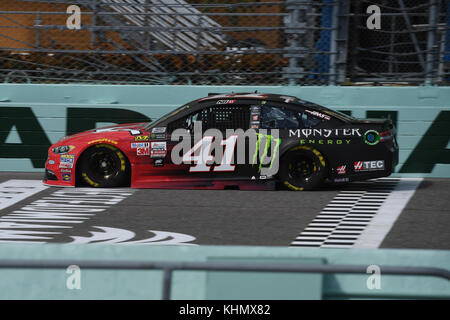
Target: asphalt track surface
215	217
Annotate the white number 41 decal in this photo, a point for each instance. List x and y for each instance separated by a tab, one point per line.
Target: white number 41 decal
205	155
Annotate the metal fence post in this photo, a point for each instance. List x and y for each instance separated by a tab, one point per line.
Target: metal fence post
167	283
38	22
339	40
296	28
431	42
94	22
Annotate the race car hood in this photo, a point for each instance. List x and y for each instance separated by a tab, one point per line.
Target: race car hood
132	128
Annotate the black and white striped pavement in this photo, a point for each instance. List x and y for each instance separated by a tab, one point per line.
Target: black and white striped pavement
388	213
342	222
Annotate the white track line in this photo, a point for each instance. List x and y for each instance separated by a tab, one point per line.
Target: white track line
359	218
13	191
382	223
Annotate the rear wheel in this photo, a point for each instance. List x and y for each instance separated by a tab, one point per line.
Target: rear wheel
302	168
104	165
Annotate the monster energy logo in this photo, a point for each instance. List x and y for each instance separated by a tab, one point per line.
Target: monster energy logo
268	138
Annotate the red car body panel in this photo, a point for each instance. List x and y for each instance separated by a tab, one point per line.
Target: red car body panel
143	172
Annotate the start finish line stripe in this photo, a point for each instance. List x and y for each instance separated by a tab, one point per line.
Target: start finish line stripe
360	222
388	213
13	191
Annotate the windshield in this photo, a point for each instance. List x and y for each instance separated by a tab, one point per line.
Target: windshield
168	115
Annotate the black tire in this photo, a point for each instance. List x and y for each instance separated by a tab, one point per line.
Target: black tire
302	168
104	166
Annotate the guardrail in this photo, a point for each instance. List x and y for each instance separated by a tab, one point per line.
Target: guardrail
168	267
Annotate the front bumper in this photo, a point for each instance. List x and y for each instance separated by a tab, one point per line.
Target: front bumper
57	175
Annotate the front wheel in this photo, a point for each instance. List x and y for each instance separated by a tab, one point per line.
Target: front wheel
103	166
302	168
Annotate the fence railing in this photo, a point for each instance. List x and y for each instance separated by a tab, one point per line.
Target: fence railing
168	267
291	42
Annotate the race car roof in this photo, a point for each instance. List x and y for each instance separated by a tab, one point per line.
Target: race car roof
255	95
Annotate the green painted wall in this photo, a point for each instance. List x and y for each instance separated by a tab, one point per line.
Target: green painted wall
34	116
101	284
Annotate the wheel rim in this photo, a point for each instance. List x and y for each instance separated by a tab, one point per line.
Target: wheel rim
103	165
301	170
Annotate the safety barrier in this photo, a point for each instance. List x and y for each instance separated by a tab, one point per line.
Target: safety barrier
212	272
169	267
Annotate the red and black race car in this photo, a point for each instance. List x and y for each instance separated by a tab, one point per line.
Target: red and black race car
313	144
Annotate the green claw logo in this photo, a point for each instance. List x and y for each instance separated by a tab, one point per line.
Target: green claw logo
269	139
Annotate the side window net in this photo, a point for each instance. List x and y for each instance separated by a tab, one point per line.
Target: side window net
228	117
218	117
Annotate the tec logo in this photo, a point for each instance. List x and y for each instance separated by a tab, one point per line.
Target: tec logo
369	165
66	177
371	137
341	169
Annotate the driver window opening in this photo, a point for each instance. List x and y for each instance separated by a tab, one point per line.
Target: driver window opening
284	118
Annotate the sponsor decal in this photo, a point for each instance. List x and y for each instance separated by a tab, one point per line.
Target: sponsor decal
65	170
67	177
140	145
158	136
66	160
159	163
268	139
142	151
341	180
142	148
341	169
159	130
325	133
387	135
158	149
141	138
51	162
371	137
103	140
374	165
324	141
288	99
255	112
225	101
318	114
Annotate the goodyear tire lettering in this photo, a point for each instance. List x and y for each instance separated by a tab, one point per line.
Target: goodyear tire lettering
88	180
